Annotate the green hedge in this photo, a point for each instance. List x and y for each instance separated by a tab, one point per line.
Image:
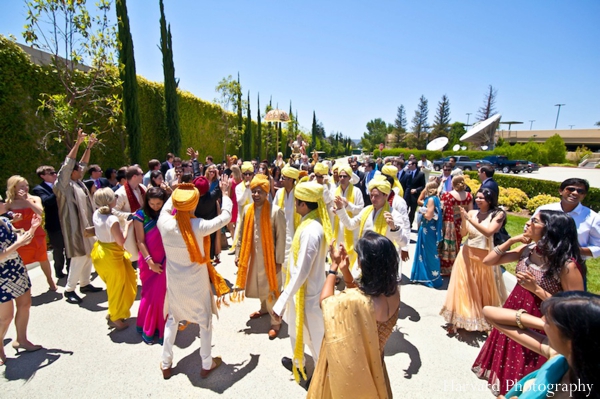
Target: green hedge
533	187
23	126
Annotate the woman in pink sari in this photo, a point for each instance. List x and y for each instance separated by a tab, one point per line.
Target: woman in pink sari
151	318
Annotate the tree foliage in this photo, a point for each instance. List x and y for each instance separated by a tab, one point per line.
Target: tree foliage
441	121
457	129
230	91
489	105
247	153
130	87
420	125
377	131
74	37
258	143
557	151
400	127
171	106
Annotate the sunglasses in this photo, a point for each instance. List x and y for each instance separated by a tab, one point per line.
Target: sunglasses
319	176
344	177
248	174
573	189
50	173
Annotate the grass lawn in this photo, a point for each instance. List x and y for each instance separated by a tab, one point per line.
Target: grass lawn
514	226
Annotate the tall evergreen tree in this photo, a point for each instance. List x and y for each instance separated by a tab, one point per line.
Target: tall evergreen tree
129	78
282	142
419	128
441	121
489	105
314	132
400	126
239	114
258	129
248	134
171	100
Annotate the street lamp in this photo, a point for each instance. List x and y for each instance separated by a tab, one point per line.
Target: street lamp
531	124
468	116
557	114
571	126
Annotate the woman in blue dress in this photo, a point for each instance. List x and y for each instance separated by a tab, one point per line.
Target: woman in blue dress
14	283
426	265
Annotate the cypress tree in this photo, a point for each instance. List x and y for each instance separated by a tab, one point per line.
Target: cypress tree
258	129
129	78
240	118
248	135
171	100
314	132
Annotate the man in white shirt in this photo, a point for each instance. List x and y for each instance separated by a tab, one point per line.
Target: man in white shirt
353	203
425	166
284	199
572	192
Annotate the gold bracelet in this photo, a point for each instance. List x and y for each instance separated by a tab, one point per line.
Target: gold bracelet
518	318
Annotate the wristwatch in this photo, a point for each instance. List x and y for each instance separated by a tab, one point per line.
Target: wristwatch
331	272
396	228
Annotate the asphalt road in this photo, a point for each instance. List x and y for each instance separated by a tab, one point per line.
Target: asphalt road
83	358
559	174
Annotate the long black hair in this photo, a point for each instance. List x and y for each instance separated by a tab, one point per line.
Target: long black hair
576	314
378	260
153	175
559	244
492	199
154	193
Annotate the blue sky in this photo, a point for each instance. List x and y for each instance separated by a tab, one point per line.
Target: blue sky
353	61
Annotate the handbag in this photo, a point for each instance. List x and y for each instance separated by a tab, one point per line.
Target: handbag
501	236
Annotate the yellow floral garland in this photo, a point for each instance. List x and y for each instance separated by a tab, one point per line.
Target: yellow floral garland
380	226
348	234
299	299
281	204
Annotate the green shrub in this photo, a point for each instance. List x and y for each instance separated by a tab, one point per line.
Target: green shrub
539	200
512	198
557	151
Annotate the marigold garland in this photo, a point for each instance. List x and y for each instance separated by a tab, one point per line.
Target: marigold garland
348	234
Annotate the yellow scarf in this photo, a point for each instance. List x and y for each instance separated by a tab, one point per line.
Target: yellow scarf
379	226
266	233
299	298
281	204
348	234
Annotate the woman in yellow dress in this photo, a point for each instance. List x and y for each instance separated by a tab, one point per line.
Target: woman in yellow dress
111	261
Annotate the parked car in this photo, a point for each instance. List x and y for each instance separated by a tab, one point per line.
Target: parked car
501	162
532	167
463	162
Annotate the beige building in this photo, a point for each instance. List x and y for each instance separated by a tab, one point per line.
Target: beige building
572	137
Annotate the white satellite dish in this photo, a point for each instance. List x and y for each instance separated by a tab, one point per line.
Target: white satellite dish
437	144
484	147
480	130
456	147
463	147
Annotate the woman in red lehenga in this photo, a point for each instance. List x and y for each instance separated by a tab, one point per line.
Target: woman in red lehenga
451	203
550	262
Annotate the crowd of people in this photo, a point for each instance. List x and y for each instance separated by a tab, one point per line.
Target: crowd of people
321	245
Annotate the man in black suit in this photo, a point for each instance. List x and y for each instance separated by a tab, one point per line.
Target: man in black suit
486	175
52	225
96	177
168	164
413	182
361	180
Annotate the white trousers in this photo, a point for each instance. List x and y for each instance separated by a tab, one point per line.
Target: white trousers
169	341
79	272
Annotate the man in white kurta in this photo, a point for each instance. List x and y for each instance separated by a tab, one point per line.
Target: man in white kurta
306	268
189	293
257	283
353	204
395	228
126	206
284	198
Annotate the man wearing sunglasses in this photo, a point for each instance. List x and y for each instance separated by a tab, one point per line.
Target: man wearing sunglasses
572	192
52	220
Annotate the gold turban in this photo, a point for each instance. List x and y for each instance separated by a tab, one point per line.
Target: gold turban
345	168
380	183
321	168
260	181
185	197
312	191
392	171
335	167
247	167
290	172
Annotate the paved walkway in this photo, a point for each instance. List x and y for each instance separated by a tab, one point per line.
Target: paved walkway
83	358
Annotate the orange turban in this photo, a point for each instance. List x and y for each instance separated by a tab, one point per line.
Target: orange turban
261	181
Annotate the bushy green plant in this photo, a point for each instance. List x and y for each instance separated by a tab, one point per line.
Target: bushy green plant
512	198
582	152
472	183
539	200
557	151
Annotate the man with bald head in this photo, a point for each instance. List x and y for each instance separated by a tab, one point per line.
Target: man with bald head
260	251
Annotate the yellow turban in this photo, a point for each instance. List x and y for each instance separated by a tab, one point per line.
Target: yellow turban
290	172
392	171
321	168
312	191
260	181
380	183
247	167
335	167
345	168
185	197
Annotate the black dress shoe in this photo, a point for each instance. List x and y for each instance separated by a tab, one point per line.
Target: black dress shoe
72	297
60	275
287	363
89	288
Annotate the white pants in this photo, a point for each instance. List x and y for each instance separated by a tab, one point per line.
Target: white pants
169	341
313	342
79	272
